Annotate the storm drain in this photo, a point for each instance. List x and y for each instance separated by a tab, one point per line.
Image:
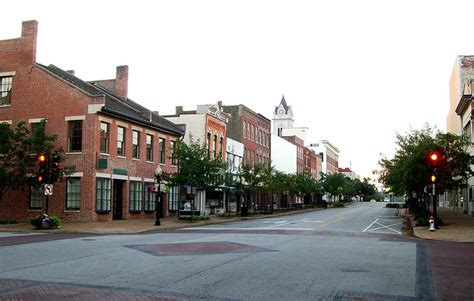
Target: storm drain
197	248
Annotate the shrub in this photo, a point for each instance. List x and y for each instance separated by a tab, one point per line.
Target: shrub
51	220
194	218
6	222
392	205
339	205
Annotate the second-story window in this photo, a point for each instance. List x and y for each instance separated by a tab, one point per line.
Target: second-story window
120	141
5	90
209	144
244	133
162	151
104	137
149	147
215	147
174	159
74	136
221	147
136	144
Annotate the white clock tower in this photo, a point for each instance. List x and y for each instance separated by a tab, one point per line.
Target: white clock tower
282	117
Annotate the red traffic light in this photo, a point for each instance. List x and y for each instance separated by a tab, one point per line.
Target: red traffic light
434	157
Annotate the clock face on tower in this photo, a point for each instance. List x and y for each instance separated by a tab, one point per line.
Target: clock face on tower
281	112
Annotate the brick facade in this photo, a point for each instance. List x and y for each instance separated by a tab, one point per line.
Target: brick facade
47	92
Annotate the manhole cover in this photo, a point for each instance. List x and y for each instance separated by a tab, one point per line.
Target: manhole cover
197	248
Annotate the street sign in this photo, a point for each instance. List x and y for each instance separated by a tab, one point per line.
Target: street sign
48	189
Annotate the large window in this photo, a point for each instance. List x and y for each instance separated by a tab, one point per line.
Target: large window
243	129
173	203
102	195
150	197
5	90
74	136
120	141
104	137
73	194
149	147
136	193
36	197
162	151
174	159
136	144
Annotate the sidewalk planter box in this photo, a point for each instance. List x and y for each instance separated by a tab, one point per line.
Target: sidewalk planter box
189	212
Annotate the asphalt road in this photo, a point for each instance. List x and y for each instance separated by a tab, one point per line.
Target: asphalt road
333	254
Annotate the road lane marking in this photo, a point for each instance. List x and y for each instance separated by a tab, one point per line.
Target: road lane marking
339	217
244	229
278	224
382	226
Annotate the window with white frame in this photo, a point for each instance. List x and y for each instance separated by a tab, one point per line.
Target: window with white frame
104	137
5	90
149	147
73	193
74	136
174	159
162	151
102	195
120	141
136	144
136	193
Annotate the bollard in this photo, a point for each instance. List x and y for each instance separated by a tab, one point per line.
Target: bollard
432	224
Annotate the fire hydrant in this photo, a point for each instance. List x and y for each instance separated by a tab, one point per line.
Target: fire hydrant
432	223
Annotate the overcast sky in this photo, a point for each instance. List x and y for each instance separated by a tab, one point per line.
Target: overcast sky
354	72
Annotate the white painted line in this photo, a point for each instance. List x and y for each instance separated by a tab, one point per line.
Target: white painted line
246	229
314	221
281	222
286	223
387	226
370	225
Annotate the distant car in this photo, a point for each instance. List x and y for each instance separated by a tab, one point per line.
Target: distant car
373	201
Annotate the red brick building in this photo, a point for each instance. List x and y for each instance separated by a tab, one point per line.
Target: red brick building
251	129
114	143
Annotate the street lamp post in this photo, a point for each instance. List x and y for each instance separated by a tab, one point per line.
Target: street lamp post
158	172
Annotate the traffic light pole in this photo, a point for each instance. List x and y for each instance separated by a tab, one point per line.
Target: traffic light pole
435	205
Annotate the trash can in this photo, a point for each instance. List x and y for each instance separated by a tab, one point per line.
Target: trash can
244	211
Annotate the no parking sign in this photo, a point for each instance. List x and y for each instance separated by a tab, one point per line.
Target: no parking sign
48	189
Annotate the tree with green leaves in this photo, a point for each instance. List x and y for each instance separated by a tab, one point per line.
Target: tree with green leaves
196	168
409	172
19	150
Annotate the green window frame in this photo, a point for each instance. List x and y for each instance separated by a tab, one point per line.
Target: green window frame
103	194
36	198
150	197
136	194
73	194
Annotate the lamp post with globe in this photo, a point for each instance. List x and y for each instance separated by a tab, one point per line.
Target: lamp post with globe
158	173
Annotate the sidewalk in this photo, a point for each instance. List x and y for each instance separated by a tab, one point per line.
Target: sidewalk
459	227
135	226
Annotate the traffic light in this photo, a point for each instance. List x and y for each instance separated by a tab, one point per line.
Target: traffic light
433	158
42	168
55	167
433	178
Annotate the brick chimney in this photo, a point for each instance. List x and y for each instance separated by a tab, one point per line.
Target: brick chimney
29	32
121	81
